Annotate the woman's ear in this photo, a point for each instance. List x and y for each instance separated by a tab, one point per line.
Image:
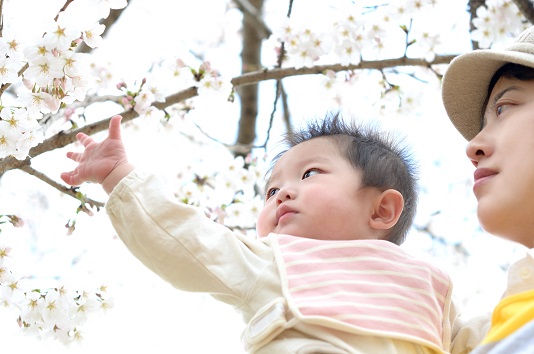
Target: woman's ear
387	209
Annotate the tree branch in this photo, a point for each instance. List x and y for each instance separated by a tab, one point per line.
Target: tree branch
285	108
250	62
108	22
527	9
1	18
67	3
63	139
254	15
276	74
473	6
73	191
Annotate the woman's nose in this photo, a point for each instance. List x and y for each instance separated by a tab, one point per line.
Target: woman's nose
478	148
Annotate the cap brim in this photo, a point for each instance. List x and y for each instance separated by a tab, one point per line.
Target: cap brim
465	85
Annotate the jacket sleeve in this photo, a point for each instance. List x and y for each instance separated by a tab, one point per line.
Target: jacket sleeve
180	244
468	333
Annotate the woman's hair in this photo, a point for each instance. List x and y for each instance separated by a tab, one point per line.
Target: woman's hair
383	162
509	71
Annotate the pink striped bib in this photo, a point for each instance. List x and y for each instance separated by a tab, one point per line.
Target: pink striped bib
370	287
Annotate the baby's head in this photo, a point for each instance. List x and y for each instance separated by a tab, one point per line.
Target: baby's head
340	181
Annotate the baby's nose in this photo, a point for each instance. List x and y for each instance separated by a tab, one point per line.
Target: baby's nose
283	196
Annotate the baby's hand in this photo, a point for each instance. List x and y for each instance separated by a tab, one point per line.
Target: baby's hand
99	160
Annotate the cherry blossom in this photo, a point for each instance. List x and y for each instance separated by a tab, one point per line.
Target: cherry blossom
57	76
60	36
93	36
9	70
10	45
44	69
36	50
143	100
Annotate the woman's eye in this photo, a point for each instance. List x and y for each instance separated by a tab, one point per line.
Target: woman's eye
271	192
310	173
500	108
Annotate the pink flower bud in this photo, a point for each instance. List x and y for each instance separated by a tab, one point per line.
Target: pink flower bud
28	84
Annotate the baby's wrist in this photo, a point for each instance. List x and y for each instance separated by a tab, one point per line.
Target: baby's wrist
115	176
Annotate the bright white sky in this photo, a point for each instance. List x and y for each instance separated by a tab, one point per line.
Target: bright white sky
149	315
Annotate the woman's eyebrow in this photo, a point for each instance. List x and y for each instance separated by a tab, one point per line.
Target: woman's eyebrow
503	92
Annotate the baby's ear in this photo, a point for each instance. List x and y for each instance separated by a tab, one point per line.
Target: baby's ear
387	209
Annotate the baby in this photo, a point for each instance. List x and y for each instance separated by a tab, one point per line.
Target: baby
326	273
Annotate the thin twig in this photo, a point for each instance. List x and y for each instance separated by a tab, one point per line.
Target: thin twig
69	191
67	3
235	148
285	108
271	118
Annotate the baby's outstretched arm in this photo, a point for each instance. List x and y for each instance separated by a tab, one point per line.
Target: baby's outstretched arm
105	162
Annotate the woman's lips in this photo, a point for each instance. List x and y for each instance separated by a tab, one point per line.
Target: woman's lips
481	175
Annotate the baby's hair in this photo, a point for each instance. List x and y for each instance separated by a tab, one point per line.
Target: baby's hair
384	163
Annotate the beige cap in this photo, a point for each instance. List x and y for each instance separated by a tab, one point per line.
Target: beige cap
466	81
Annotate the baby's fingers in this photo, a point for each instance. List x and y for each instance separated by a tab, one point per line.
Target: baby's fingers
115	127
75	156
70	178
84	139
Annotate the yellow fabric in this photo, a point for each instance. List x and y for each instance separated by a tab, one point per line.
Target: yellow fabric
511	314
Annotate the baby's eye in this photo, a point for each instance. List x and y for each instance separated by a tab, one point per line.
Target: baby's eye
310	172
271	192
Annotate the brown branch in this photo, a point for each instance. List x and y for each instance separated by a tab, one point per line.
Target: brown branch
527	9
63	139
277	74
67	3
1	18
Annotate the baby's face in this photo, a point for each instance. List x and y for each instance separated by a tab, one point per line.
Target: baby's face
314	192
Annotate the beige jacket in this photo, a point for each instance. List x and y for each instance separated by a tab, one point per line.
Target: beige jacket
181	245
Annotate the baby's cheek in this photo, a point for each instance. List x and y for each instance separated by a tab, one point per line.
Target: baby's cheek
264	224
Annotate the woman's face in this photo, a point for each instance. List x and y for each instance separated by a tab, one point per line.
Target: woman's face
503	154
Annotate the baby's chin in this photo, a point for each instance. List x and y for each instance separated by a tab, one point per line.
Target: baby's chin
277	232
